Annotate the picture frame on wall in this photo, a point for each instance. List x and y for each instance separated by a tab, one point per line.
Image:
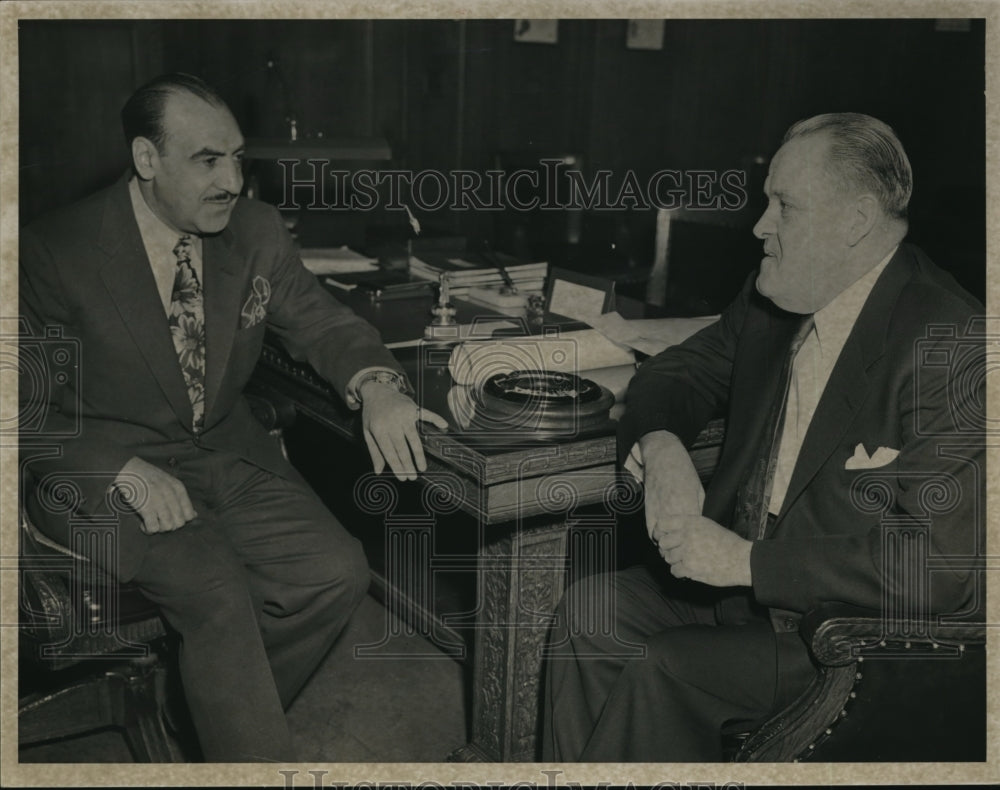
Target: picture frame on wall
536	31
644	34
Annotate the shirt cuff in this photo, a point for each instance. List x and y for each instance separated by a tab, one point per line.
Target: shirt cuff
352	396
633	463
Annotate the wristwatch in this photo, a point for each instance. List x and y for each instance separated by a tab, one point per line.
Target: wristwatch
382	377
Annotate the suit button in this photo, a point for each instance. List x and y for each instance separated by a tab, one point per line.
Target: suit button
790	624
172	462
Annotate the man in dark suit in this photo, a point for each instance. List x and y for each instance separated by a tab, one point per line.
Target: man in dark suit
166	282
835	436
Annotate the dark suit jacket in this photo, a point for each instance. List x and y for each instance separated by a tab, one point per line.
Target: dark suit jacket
84	273
907	379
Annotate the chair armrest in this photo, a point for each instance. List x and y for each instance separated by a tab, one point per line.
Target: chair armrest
275	412
837	632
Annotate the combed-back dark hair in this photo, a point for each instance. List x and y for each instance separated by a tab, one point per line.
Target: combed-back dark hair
865	153
142	115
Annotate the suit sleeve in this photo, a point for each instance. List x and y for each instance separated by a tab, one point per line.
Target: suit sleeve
52	430
934	489
316	328
683	387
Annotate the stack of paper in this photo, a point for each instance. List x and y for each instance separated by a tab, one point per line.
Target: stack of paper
649	335
336	260
463	275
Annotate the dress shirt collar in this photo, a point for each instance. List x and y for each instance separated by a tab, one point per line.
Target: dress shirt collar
159	240
157	236
835	321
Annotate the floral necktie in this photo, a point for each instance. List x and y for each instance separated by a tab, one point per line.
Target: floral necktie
187	328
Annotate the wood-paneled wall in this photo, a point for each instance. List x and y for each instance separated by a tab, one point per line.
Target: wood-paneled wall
74	78
453	94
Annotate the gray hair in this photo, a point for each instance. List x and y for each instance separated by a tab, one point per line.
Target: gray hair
865	153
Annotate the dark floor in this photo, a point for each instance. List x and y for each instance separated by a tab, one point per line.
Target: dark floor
402	701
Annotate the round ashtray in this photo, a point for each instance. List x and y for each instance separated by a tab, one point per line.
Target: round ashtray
541	400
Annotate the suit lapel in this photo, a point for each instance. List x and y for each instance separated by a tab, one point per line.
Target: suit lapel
129	280
222	271
849	381
759	377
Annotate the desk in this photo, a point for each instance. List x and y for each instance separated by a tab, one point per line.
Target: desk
526	500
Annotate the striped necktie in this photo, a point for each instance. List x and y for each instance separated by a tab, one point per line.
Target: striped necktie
753	497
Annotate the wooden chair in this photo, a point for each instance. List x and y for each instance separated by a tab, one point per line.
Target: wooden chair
880	694
95	651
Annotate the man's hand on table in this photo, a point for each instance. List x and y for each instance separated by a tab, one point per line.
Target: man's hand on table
695	547
390	426
160	499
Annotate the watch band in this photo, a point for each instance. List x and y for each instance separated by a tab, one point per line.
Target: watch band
382	377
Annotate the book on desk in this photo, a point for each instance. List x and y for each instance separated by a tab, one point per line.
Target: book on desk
346	270
464	275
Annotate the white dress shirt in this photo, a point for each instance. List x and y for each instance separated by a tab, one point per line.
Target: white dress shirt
810	373
811	370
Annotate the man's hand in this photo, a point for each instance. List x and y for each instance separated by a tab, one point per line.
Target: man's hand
390	423
672	485
698	548
166	505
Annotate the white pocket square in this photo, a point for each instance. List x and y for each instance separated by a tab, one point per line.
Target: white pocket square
255	308
861	460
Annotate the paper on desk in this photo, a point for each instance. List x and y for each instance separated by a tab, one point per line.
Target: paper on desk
649	335
339	284
616	379
481	330
336	260
472	363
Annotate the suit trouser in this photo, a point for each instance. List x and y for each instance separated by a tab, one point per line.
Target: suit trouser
660	685
258	587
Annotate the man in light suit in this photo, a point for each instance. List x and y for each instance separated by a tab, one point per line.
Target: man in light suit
847	305
166	282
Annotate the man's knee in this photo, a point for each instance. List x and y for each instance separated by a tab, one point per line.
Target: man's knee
342	573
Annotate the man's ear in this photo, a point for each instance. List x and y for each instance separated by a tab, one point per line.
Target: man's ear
864	216
145	157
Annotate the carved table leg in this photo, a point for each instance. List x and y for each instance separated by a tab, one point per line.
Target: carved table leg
521	582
